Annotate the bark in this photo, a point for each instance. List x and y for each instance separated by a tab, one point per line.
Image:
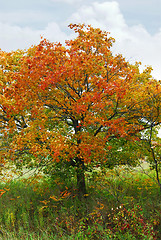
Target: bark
155	159
156	168
80	167
81	183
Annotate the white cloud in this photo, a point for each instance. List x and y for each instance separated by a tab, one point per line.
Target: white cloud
135	43
104	15
15	37
54	33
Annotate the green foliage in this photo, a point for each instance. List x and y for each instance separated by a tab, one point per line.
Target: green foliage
124	152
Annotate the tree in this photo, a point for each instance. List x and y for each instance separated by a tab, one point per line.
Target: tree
153	146
68	104
150	141
9	64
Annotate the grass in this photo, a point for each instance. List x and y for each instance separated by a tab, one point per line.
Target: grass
121	204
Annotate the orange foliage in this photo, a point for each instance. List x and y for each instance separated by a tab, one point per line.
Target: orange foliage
68	101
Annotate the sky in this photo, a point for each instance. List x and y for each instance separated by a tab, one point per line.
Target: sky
135	25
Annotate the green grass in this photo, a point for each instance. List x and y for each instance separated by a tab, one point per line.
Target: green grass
121	204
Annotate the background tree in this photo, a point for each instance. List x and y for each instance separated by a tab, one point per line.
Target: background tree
9	64
70	103
153	146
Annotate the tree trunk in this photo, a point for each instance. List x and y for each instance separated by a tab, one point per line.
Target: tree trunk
81	184
80	168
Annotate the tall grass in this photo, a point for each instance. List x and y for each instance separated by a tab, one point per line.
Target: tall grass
121	204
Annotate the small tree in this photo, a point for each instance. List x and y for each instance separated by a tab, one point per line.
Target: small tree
151	145
150	142
155	150
67	104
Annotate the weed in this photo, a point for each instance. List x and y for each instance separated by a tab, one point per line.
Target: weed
119	205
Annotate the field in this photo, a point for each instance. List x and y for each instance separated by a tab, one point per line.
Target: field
121	203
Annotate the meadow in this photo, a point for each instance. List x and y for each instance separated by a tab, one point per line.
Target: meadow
121	203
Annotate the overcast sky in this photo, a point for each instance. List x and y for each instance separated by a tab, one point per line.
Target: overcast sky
136	25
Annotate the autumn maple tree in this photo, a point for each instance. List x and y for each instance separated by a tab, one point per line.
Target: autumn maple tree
70	104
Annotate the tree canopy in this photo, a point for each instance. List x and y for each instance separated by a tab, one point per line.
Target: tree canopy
71	104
